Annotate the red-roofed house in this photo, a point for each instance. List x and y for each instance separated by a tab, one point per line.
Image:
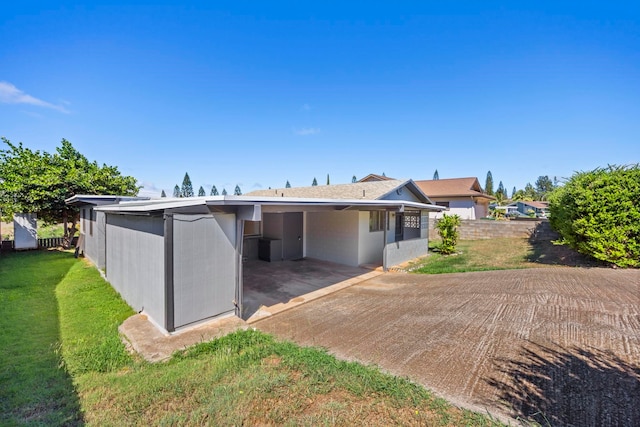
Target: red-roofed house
462	196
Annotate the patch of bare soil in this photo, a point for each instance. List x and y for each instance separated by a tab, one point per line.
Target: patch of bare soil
548	253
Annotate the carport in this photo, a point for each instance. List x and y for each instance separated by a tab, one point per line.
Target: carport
269	284
184	261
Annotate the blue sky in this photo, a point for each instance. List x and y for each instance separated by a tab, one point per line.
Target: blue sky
258	93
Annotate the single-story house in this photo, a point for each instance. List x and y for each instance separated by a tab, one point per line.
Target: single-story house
541	209
92	224
181	261
460	196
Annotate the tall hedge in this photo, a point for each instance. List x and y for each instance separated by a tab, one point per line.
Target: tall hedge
598	214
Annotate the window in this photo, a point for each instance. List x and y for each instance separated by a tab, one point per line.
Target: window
444	204
376	221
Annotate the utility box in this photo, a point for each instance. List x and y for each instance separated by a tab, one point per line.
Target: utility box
25	231
270	249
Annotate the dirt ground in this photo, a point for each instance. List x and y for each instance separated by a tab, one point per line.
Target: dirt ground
558	346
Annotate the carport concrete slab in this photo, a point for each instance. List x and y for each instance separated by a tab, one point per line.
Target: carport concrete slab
557	346
272	287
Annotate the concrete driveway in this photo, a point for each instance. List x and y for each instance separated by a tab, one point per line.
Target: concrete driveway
560	346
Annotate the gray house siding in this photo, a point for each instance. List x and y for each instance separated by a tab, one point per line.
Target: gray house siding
135	262
92	228
333	236
204	266
416	243
405	250
370	243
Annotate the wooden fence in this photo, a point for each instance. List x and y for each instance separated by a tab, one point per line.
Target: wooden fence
50	242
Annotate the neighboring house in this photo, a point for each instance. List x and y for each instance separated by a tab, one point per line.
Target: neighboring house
91	242
541	209
375	177
461	196
505	209
181	261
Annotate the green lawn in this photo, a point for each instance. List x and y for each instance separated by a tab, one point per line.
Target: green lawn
62	363
499	254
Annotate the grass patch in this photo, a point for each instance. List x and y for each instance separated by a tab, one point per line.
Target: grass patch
62	363
44	231
479	255
33	387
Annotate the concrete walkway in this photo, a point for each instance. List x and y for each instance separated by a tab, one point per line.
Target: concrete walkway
560	346
154	346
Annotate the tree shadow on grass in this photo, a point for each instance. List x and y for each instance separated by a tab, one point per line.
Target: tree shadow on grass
574	387
34	386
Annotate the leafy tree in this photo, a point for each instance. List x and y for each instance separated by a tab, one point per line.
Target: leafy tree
528	194
598	214
287	185
513	192
163	194
201	192
315	182
176	191
237	191
448	230
488	184
328	179
40	182
187	189
435	175
224	192
544	186
214	191
354	179
500	197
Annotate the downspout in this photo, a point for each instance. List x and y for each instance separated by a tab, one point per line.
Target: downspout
169	323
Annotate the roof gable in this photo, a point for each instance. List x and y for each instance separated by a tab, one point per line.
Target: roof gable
370	190
452	187
375	177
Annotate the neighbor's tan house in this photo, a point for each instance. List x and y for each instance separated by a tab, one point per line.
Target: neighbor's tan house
461	196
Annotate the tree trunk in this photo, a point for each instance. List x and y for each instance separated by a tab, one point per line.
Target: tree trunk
69	231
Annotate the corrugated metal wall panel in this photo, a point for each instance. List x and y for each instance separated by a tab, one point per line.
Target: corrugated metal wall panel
204	266
94	237
135	262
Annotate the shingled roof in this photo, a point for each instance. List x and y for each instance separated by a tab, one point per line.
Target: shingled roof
371	190
452	187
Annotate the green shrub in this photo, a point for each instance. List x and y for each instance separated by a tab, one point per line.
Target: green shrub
448	230
598	214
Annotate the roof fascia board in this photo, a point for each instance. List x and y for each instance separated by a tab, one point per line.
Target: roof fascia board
236	201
